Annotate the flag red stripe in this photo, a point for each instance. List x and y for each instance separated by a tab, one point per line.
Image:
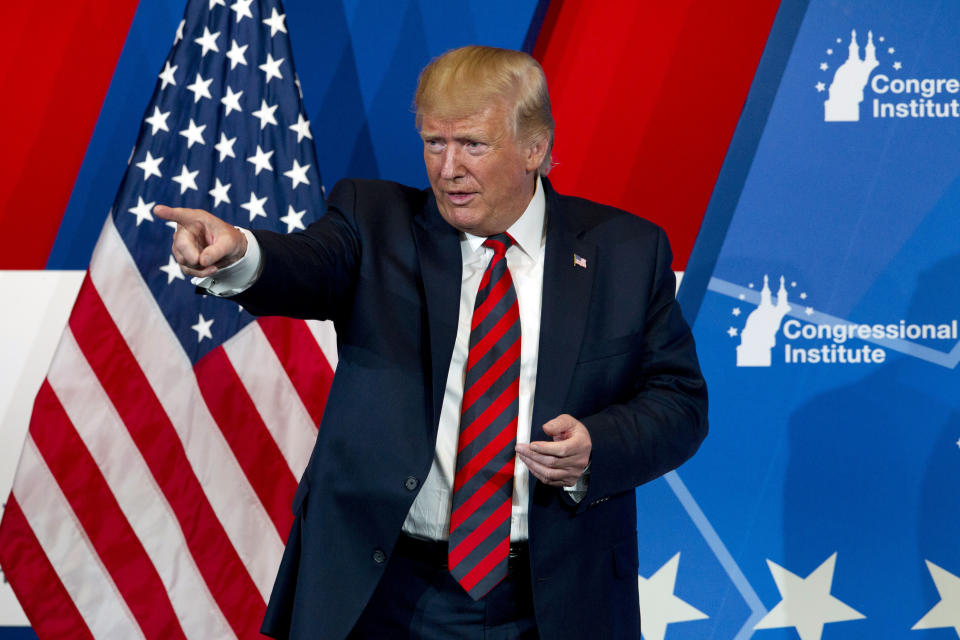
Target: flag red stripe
123	380
478	535
492	374
304	361
248	437
101	518
465	510
34	581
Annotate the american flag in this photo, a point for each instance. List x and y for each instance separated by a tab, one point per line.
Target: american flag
152	497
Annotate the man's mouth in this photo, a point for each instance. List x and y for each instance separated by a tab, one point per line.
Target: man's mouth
460	198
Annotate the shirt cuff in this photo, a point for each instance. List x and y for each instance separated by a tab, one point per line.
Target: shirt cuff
579	490
237	277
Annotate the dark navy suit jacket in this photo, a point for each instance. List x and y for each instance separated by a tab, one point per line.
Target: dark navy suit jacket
614	353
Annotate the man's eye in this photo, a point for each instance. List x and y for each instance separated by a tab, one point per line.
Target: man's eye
433	145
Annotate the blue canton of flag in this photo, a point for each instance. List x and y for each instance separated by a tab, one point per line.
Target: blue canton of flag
225	131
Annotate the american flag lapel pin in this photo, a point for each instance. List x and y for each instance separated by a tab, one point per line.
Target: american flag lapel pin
579	261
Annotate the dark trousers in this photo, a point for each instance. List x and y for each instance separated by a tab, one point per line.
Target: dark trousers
417	598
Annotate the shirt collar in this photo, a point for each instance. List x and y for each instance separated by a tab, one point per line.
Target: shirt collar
527	231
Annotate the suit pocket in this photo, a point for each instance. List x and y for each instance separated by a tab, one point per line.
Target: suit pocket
626	560
600	349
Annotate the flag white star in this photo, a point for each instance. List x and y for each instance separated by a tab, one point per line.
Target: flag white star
179	35
231	101
203	328
660	606
172	269
736	311
150	166
271	69
297	174
821	87
167	75
187	179
214	3
142	210
261	160
732	332
806	603
225	146
236	54
219	193
945	613
275	22
302	128
293	219
158	121
265	114
808	311
255	206
824	66
242	8
193	133
208	41
200	88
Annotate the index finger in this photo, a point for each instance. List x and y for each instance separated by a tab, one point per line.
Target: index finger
180	215
556	449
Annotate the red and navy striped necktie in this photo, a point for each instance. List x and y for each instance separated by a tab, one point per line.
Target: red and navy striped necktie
483	484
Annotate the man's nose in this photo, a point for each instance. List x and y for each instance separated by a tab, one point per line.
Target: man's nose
451	167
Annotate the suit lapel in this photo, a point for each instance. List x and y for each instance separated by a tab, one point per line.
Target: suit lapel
566	300
441	265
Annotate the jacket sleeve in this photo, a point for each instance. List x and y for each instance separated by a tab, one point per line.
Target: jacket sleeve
309	274
664	421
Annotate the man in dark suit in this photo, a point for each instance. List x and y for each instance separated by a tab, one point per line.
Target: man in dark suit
512	363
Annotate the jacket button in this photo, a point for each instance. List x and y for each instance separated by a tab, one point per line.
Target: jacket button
411	483
379	556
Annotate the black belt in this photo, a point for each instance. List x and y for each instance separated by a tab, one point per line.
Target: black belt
434	552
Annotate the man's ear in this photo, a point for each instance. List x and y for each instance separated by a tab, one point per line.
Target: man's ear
536	152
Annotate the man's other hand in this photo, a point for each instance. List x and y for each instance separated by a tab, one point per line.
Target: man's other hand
559	463
203	242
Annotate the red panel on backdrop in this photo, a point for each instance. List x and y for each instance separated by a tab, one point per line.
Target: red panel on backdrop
57	65
646	97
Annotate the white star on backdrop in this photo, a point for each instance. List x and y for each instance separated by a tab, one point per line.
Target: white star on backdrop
271	69
158	121
231	101
255	206
808	311
297	174
150	166
891	51
945	613
193	133
208	41
236	54
265	114
806	603
293	219
167	75
242	8
829	52
225	146
261	160
821	87
732	332
660	607
275	22
302	128
219	193
187	179
736	311
142	210
200	88
824	66
897	65
172	269
203	328
803	295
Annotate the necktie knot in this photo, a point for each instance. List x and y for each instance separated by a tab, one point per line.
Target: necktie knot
499	243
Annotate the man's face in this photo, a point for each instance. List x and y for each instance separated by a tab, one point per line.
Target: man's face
482	177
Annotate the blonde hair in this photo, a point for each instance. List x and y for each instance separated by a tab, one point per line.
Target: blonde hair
464	81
